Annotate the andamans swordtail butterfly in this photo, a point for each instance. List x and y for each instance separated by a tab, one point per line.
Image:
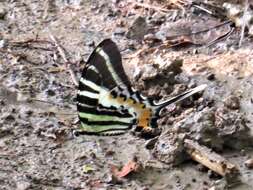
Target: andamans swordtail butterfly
106	102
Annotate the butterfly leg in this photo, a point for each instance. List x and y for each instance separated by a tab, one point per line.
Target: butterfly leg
76	133
146	132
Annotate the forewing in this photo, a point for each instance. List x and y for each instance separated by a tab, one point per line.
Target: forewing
106	58
99	112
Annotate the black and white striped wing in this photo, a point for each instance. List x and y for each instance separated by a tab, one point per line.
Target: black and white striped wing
98	108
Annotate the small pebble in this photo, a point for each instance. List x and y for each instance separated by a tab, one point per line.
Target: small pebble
138	29
232	102
109	178
90	43
211	77
109	153
151	143
3	43
202	168
2	103
3	12
119	31
10	118
212	175
23	185
249	163
243	152
50	92
115	1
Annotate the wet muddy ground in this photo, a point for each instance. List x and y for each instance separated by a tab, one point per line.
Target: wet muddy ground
37	149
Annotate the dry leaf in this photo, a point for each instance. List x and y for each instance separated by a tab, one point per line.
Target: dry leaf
87	169
131	166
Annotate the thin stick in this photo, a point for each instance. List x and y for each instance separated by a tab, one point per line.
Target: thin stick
51	103
244	22
210	159
16	43
46	8
203	9
62	53
15	54
221	38
144	5
202	31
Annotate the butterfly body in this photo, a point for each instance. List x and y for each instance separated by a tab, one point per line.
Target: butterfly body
106	102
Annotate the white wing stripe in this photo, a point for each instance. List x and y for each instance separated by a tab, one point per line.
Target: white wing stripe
108	64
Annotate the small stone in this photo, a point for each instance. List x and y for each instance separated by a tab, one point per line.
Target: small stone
90	43
3	43
109	153
115	1
249	163
243	152
202	168
25	112
232	102
157	19
10	118
192	84
219	185
119	31
212	175
138	29
2	103
250	30
150	144
50	92
23	185
21	97
151	39
111	179
112	13
211	76
3	12
5	131
170	149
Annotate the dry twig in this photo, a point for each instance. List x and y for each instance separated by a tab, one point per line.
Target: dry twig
211	160
62	53
14	54
244	22
148	6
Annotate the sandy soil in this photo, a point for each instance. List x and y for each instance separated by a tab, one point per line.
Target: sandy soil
37	149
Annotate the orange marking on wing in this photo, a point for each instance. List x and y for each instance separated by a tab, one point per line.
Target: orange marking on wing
143	114
144	118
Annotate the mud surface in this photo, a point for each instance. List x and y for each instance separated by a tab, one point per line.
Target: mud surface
37	148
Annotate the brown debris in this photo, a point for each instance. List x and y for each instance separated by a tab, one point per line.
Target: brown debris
129	167
95	183
62	53
197	32
149	6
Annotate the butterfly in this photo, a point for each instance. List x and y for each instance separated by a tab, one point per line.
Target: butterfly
107	103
